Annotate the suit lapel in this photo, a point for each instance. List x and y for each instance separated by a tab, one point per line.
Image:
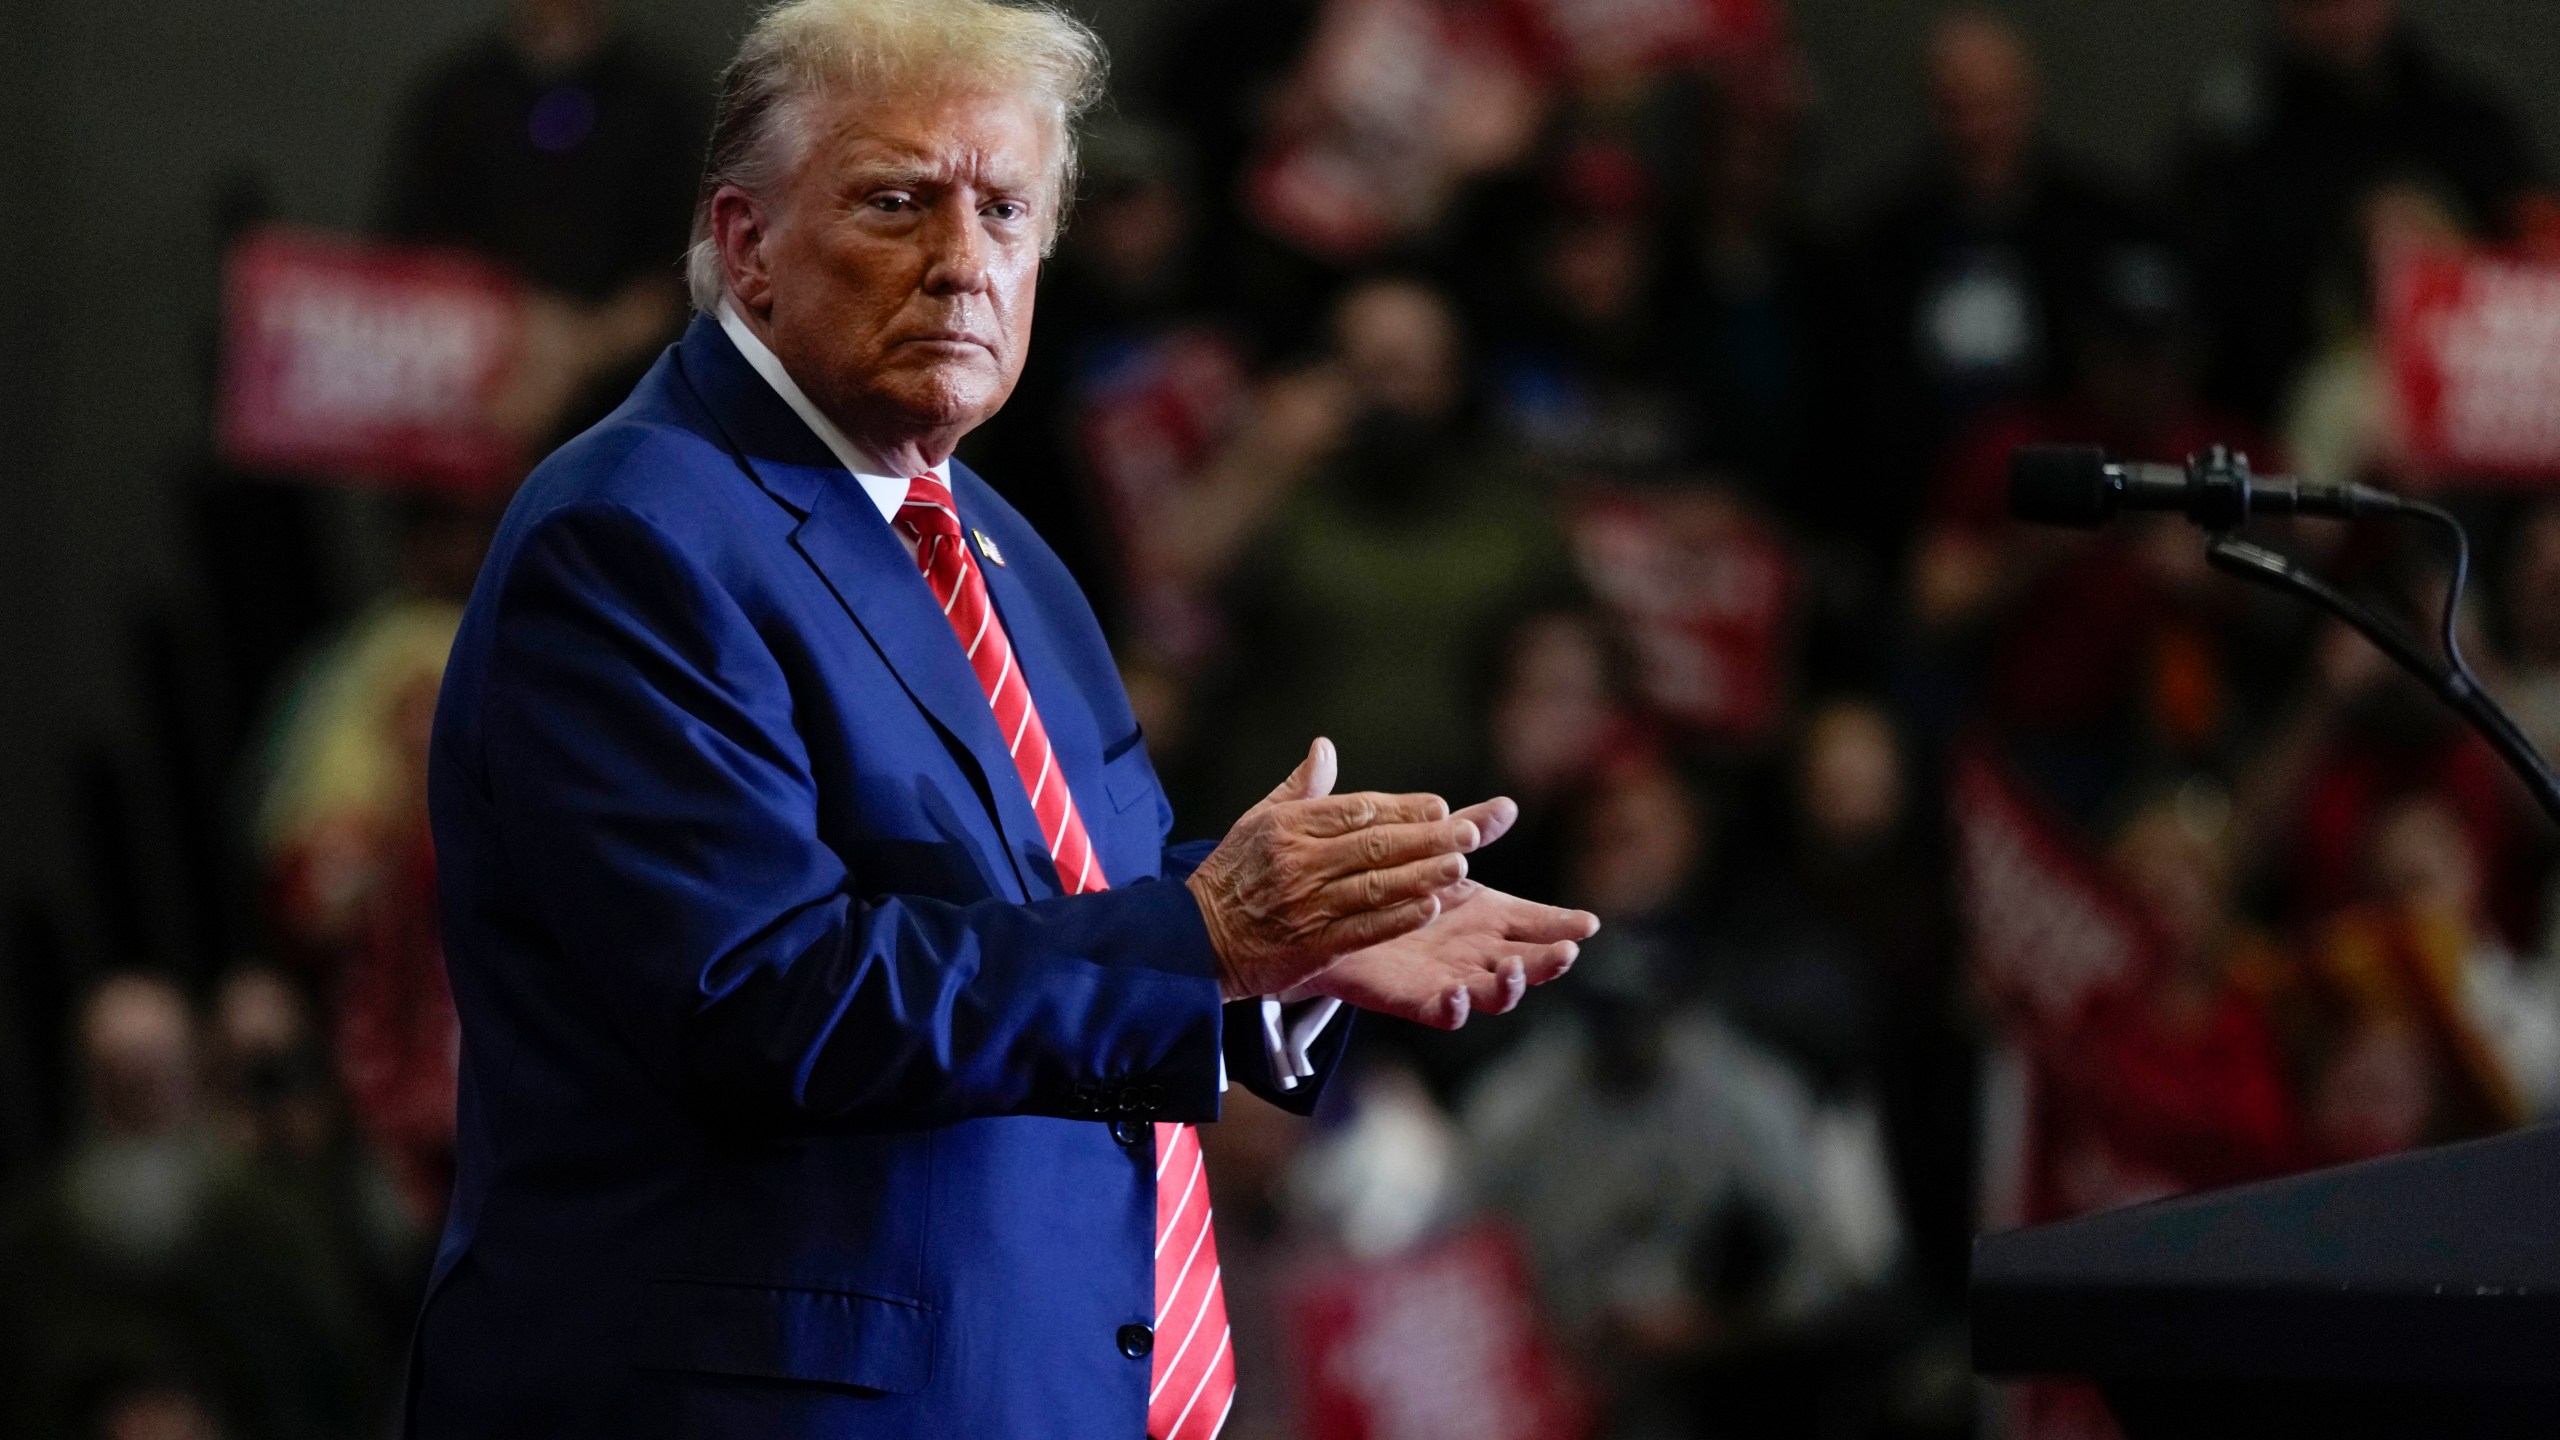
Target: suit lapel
861	560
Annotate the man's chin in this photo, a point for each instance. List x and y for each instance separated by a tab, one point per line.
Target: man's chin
938	397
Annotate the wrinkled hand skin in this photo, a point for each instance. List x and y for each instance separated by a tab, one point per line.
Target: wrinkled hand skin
1307	877
1480	954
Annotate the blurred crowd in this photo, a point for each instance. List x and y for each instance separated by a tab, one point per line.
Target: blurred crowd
1471	385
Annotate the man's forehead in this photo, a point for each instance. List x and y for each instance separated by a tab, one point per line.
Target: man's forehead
975	136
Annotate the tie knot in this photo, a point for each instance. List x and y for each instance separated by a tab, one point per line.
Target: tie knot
928	509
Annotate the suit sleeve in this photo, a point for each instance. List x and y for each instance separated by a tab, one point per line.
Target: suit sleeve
654	797
1249	1060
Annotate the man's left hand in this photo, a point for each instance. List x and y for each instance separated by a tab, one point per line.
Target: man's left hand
1481	954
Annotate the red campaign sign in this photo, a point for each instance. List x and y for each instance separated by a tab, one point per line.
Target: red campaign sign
1396	103
360	362
2051	937
1707	594
1634	37
1444	1343
2471	343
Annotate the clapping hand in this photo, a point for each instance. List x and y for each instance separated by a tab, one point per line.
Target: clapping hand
1365	898
1307	876
1480	954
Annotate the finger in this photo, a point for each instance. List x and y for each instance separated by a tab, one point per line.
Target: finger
1494	818
1312	779
1327	816
1542	963
1378	926
1451	1012
1498	990
1545	924
1377	889
1382	846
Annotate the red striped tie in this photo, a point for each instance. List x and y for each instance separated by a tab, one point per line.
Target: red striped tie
1194	1379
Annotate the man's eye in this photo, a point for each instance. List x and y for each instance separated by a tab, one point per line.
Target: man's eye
891	204
1008	210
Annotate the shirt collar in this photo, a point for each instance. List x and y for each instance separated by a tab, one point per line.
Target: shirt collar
887	491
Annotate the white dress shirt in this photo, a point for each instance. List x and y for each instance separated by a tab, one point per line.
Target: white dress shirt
1286	1038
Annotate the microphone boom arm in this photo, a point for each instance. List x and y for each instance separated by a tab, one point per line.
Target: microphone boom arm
2450	677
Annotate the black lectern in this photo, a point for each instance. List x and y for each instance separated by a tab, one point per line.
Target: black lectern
2417	1295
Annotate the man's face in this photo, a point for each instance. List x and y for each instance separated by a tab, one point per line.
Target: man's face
1983	89
894	274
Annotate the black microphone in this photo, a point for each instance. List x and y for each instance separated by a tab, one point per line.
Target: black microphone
2078	485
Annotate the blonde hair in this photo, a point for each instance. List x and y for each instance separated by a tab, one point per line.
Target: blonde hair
800	50
335	756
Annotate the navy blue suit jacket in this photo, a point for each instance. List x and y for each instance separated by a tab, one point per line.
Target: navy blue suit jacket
797	1099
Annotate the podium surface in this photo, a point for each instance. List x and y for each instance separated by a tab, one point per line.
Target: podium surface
2413	1295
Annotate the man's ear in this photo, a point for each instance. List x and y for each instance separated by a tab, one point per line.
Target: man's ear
738	227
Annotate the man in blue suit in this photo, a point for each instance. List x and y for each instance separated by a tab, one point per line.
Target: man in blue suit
833	1005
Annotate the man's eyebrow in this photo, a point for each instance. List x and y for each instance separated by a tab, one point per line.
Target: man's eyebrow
900	172
915	171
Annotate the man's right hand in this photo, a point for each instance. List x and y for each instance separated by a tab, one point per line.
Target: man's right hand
1308	876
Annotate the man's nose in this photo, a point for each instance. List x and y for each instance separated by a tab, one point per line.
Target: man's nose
955	252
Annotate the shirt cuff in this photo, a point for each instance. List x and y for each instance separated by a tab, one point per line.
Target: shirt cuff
1289	1032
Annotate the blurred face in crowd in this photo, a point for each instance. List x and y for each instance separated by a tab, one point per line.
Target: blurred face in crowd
894	272
262	1044
1640	842
2423	859
558	32
1133	232
1850	783
1595	267
1556	711
138	1041
2174	870
2346	36
2401	220
1399	343
1982	90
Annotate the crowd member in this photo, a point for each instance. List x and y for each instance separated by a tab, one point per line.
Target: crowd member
1217	83
1963	287
2427	1026
2106	659
1563	712
155	1273
1686	1193
274	1098
1369	603
2343	96
349	864
559	149
1752	336
1833	944
2359	736
1580	375
2183	1086
2340	423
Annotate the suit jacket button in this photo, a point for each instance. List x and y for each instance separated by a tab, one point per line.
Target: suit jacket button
1136	1341
1128	1132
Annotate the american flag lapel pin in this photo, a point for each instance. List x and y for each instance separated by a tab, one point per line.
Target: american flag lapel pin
988	548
